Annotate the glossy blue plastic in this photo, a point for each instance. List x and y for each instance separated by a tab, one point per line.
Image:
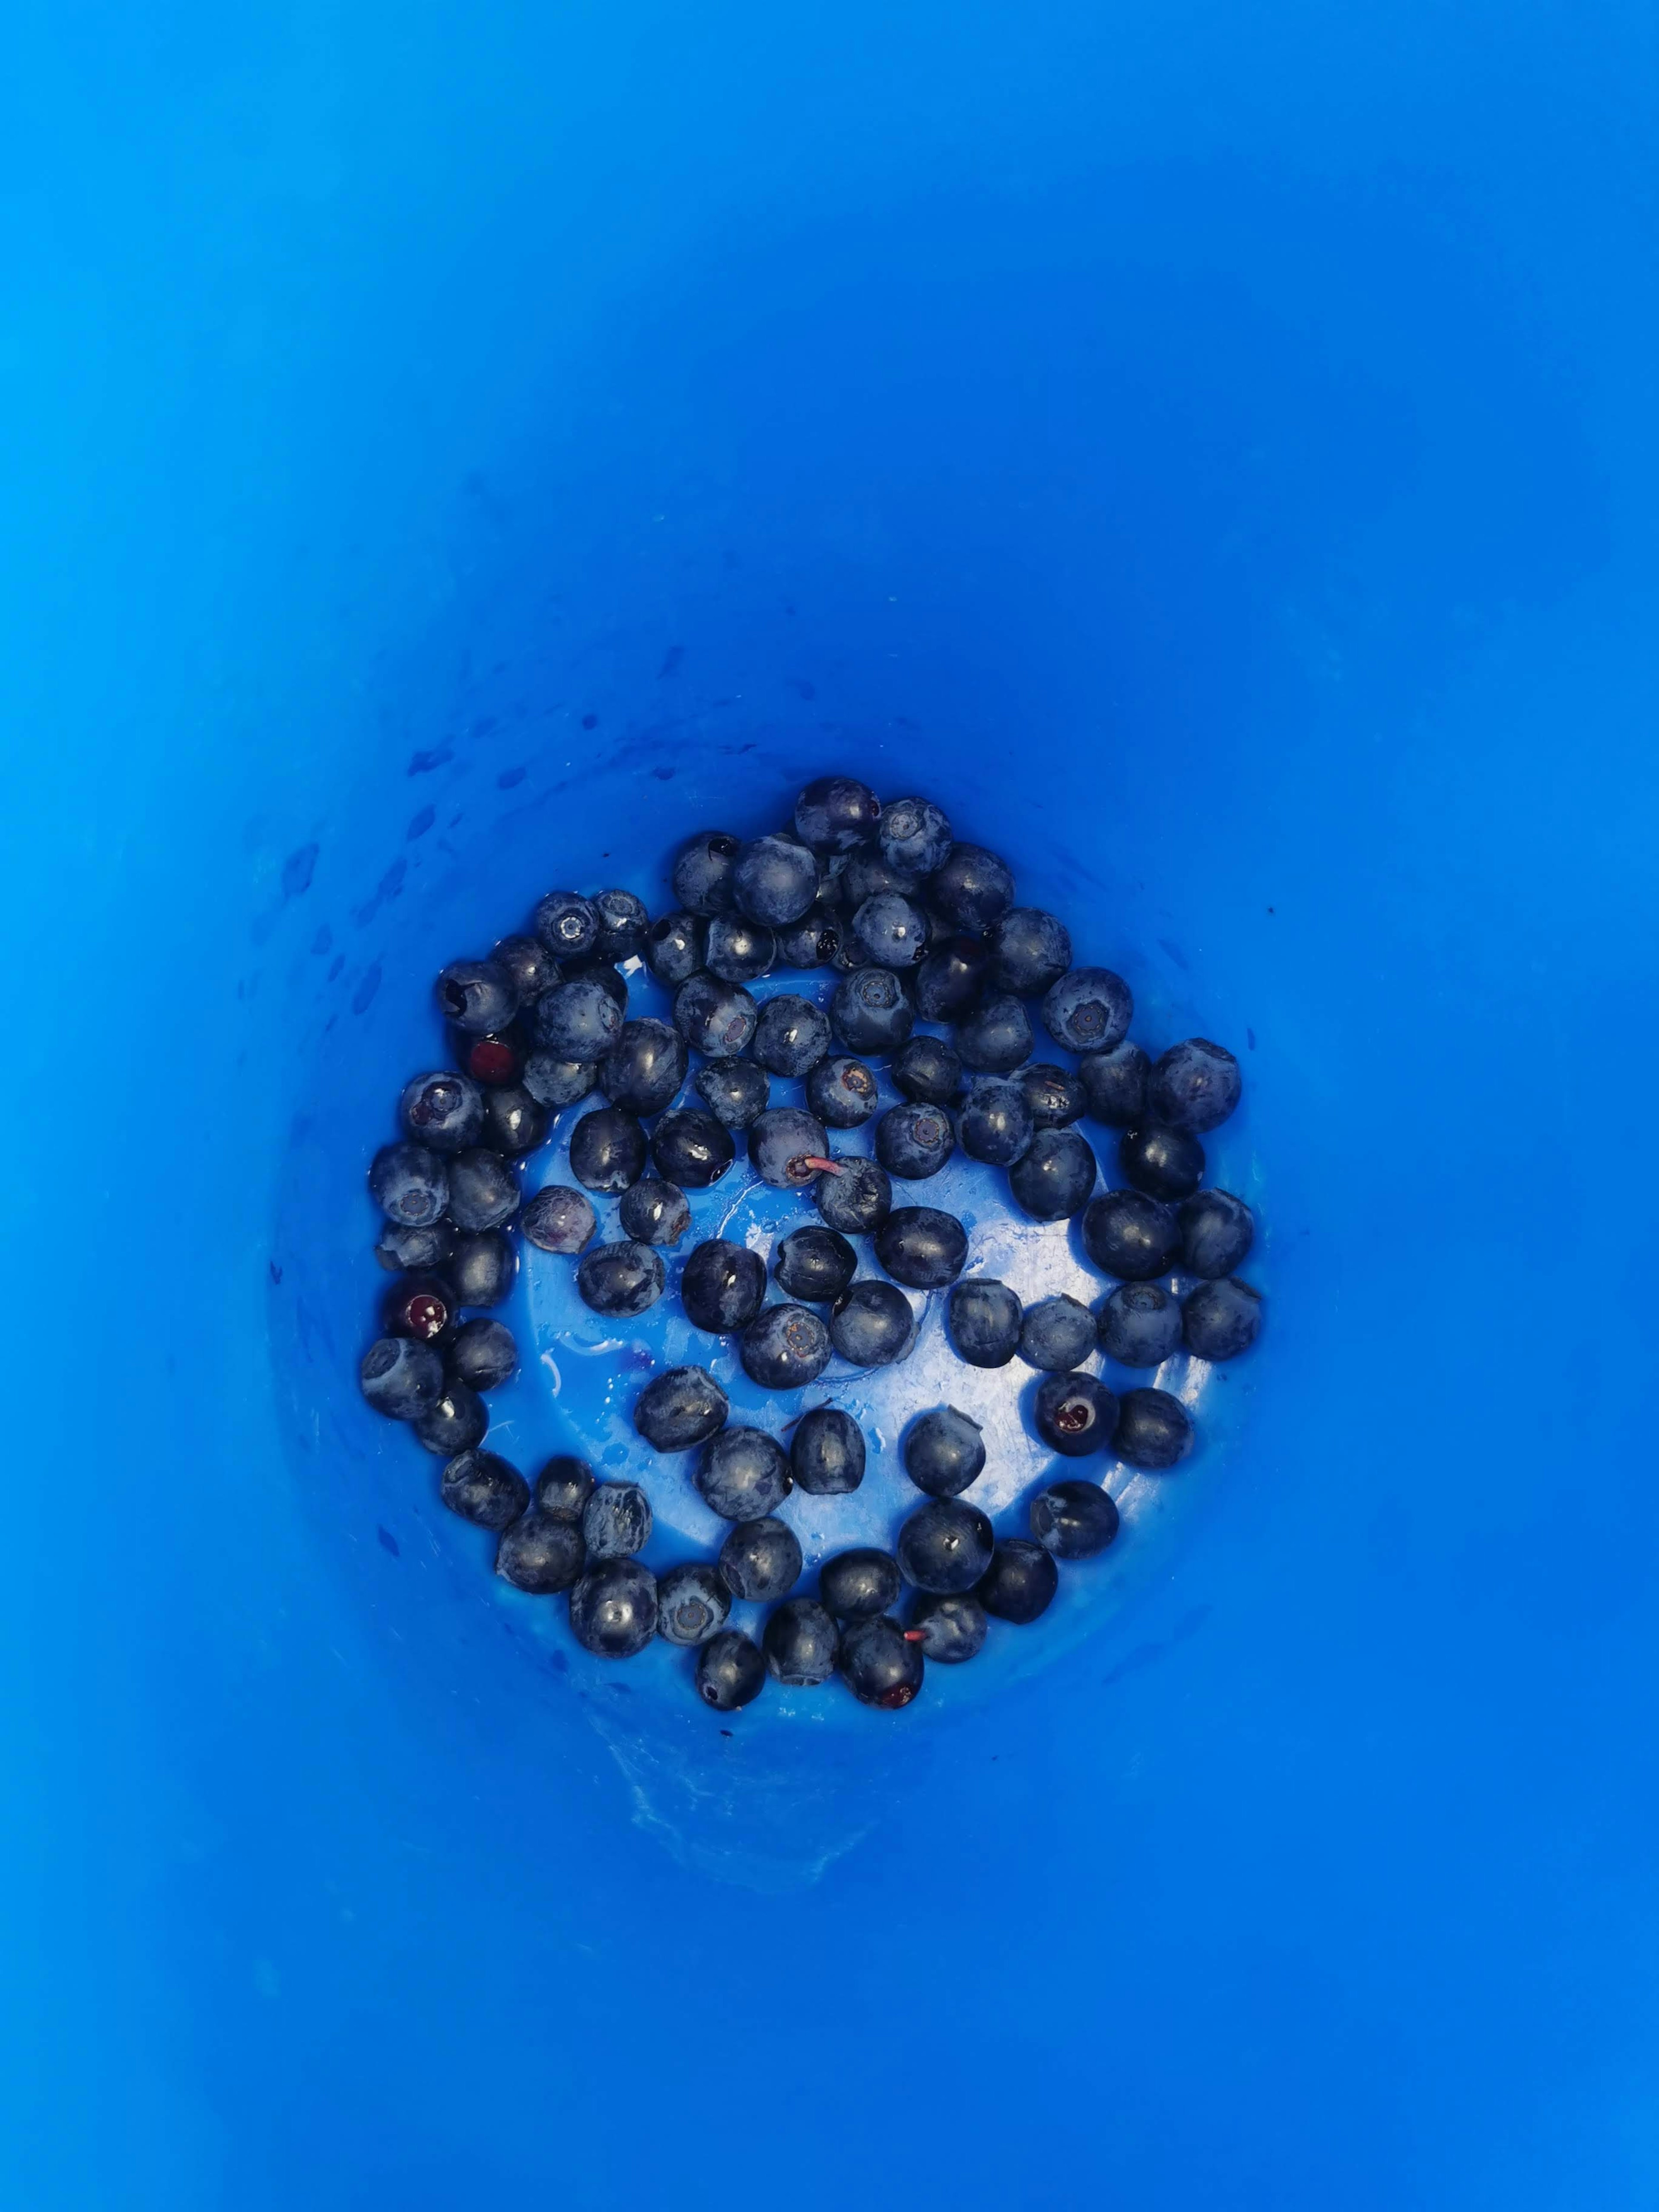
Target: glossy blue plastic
450	452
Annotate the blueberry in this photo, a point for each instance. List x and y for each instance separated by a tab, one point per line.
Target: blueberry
483	1354
493	1058
944	1452
879	1664
620	1280
730	1672
1073	1519
784	1348
577	1020
1114	1083
703	872
1052	1180
914	1141
484	1488
566	924
949	979
995	1122
1140	1325
816	940
1154	1430
1088	1010
985	1323
914	835
558	1218
674	946
476	995
514	1123
409	1184
607	1150
922	1247
995	1035
655	1212
743	1473
427	1247
928	1070
444	1112
563	1487
610	979
1056	1097
855	1583
827	1452
972	886
890	931
1194	1086
1020	1582
716	1019
945	1546
1029	950
554	1082
841	1092
722	1286
814	1264
1162	1162
691	1148
871	1011
613	1608
1222	1319
739	950
801	1644
1056	1333
792	1035
482	1268
775	880
761	1560
454	1422
401	1378
422	1305
692	1603
541	1552
644	1066
483	1191
872	1326
1074	1414
734	1090
865	875
529	964
1216	1231
948	1630
787	1147
835	813
1126	1233
855	1196
623	921
617	1521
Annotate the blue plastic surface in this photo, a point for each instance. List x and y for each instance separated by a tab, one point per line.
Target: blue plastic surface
1213	450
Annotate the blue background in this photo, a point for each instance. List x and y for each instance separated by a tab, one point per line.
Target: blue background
1214	450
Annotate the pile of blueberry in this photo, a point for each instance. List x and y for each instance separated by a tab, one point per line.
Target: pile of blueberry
914	925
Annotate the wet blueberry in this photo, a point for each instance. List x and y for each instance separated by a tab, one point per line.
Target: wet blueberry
816	940
682	1408
674	947
541	1552
775	880
1073	1519
731	1673
948	1630
691	1148
855	1583
827	1452
563	1487
784	1348
871	1011
1154	1430
1194	1086
444	1112
788	1146
1020	1582
914	1141
692	1603
922	1247
878	1664
621	1279
1162	1162
722	1286
792	1035
401	1378
1029	950
835	813
553	1082
558	1218
739	950
995	1123
985	1323
576	1021
422	1305
841	1092
1074	1414
814	1264
1056	1333
483	1191
1140	1325
703	873
514	1123
716	1019
483	1488
610	980
865	875
607	1150
482	1268
454	1422
1114	1083
743	1474
1126	1233
530	965
1088	1010
945	1546
734	1091
994	1037
1051	1179
801	1644
623	921
427	1247
1056	1096
566	924
483	1353
928	1071
890	931
617	1521
944	1452
655	1212
972	886
644	1066
872	1326
613	1608
761	1560
1216	1231
855	1198
915	836
409	1184
950	978
476	995
493	1058
1222	1319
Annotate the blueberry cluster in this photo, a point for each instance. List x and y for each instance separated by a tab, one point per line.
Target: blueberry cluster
916	926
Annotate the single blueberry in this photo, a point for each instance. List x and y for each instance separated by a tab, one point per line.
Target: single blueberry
1056	1096
1051	1179
409	1184
995	1123
644	1066
944	1452
576	1020
427	1247
422	1305
879	1664
1154	1430
739	950
444	1112
514	1123
945	1546
566	924
734	1091
541	1552
613	1608
871	1011
553	1082
655	1212
865	875
995	1035
761	1560
1162	1162
495	1057
722	1286
792	1035
682	1408
1140	1325
1126	1233
890	931
784	1348
949	979
972	886
914	1141
692	1603
872	1326
401	1378
928	1071
814	1264
674	946
620	1280
530	965
854	1196
691	1148
483	1353
563	1487
1020	1582
731	1673
1222	1319
483	1191
775	880
835	813
617	1521
1194	1086
454	1422
801	1644
1056	1333
623	921
914	835
841	1092
702	875
1216	1231
1074	1414
827	1452
854	1584
476	995
483	1488
743	1474
1114	1083
716	1019
482	1268
985	1323
819	939
788	1147
1088	1010
948	1630
610	979
921	1247
608	1149
1073	1519
1029	950
558	1218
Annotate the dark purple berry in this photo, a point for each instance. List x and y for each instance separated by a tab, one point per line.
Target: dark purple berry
401	1378
483	1353
444	1112
1074	1414
878	1664
483	1488
1020	1582
1216	1231
691	1148
692	1603
945	1545
948	1630
841	1092
483	1191
608	1150
855	1583
613	1608
722	1286
1162	1162
409	1184
680	1408
1194	1086
1154	1430
827	1452
704	872
1051	1179
801	1644
1140	1325
761	1560
558	1218
476	995
1127	1233
542	1552
1073	1519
